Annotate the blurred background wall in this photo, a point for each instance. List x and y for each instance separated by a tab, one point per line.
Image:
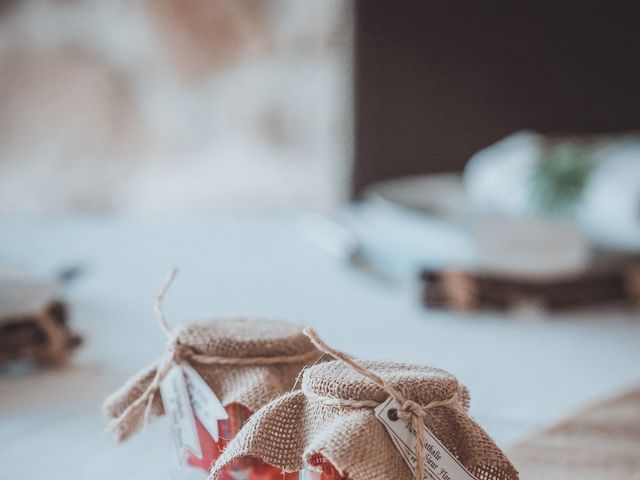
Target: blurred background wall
174	105
438	80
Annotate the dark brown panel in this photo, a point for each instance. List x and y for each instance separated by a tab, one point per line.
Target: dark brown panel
436	81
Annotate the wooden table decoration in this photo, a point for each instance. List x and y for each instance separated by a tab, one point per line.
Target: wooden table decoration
34	323
608	280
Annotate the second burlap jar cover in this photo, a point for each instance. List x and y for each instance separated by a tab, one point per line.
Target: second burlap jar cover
332	416
248	361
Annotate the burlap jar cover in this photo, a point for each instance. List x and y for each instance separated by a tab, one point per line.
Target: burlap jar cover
332	416
248	361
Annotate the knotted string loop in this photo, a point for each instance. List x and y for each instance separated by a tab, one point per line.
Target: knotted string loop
411	411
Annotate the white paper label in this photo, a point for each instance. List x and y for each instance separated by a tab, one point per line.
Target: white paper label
177	406
205	404
440	464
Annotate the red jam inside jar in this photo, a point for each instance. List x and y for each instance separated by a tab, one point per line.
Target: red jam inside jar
328	471
249	468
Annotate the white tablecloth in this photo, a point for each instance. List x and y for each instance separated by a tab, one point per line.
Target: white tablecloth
523	372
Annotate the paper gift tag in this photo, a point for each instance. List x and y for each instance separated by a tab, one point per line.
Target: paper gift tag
205	403
440	464
177	406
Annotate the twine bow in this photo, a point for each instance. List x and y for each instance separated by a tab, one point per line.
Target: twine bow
178	352
411	410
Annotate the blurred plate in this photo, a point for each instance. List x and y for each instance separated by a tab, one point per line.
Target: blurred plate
440	195
22	295
505	244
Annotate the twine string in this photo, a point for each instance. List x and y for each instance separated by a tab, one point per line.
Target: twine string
147	396
173	346
411	411
178	352
157	306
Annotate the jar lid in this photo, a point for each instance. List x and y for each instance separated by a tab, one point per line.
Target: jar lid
246	361
422	384
244	337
